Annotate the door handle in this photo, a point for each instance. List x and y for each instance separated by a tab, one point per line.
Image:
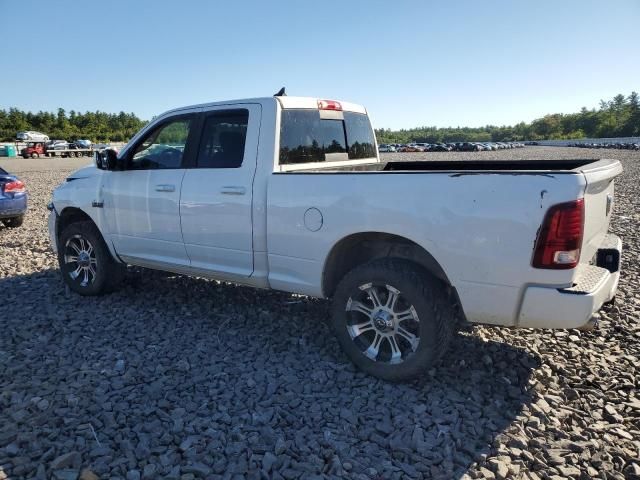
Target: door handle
233	190
165	188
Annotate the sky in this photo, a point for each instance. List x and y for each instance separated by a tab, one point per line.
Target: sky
411	63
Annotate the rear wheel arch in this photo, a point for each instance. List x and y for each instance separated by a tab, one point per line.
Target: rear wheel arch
360	248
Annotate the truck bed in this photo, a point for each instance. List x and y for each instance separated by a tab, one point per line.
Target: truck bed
456	166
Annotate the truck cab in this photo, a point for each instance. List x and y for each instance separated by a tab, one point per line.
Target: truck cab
33	150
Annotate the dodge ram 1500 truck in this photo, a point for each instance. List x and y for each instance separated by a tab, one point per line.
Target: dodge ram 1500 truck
289	193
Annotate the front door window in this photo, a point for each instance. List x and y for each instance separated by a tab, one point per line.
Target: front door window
163	148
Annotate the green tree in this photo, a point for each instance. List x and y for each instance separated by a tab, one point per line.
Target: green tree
95	126
619	117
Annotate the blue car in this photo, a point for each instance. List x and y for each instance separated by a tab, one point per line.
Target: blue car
13	200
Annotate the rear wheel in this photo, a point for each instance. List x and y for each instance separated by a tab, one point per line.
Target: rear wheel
34	155
392	319
14	222
86	264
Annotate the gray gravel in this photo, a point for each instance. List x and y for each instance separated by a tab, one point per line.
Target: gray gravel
183	378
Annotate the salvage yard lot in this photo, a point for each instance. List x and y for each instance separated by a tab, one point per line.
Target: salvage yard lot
174	376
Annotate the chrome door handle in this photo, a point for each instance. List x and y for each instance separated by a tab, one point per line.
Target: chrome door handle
233	190
165	188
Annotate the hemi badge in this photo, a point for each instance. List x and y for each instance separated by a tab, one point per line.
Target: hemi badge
97	204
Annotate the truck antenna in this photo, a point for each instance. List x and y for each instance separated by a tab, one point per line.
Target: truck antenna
280	93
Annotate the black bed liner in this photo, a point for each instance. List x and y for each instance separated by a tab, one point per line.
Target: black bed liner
488	165
547	167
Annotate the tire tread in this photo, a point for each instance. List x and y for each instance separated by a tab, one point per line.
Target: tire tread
444	312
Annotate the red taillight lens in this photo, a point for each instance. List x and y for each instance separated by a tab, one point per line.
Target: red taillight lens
14	187
560	237
329	105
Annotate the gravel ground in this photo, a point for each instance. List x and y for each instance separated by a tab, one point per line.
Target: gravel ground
176	377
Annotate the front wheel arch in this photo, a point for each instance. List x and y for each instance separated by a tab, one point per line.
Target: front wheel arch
69	215
82	249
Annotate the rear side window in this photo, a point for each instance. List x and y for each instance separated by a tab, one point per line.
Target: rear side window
223	138
307	138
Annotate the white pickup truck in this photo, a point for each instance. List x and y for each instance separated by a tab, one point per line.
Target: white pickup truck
289	193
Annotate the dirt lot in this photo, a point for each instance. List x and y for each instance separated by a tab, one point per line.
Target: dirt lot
175	377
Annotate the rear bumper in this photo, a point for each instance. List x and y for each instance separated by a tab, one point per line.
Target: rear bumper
13	207
545	307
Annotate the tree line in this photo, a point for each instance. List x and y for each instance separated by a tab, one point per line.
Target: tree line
95	126
619	117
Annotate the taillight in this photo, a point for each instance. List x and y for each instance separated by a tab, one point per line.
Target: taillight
329	105
14	187
560	237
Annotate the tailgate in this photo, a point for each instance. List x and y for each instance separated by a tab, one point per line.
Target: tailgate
598	204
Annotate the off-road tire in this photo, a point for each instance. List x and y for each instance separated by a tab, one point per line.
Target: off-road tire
434	305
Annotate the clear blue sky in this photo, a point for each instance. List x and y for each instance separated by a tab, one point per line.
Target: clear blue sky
411	63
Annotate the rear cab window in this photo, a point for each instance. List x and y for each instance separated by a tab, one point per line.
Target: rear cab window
313	138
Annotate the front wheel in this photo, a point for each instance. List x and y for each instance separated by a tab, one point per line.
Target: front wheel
86	264
393	320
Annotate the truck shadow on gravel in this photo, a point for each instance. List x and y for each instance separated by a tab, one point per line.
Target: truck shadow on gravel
174	375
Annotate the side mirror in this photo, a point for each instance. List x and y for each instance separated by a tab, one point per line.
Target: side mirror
106	159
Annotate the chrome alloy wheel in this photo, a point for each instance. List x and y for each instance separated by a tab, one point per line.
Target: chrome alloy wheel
384	324
80	260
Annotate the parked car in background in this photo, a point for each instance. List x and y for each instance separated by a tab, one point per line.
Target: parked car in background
618	145
439	147
57	145
384	148
31	136
469	147
410	148
13	199
83	143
